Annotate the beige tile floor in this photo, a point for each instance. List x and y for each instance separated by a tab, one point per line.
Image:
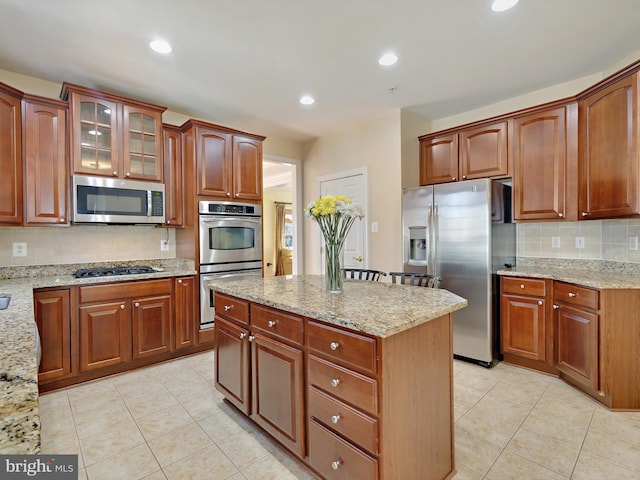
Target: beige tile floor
167	422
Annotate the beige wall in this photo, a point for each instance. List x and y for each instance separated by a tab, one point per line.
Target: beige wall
374	144
412	126
269	227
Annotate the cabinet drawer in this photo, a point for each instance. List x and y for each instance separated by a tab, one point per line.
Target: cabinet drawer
346	348
119	291
347	421
336	459
232	308
344	384
524	286
576	295
278	324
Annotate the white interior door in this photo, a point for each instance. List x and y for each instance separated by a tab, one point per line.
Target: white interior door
353	186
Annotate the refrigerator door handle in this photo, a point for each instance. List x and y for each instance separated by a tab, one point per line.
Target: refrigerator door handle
429	238
434	235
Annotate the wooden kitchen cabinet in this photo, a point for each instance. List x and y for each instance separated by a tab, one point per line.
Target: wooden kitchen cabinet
114	136
609	158
186	312
526	323
228	162
46	189
10	156
475	152
545	149
151	322
52	309
232	363
173	176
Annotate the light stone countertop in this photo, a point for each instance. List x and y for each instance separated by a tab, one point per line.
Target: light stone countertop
588	278
376	308
19	418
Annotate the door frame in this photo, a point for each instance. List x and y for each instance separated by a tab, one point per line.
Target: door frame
365	205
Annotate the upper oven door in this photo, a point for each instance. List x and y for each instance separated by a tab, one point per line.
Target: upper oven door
226	239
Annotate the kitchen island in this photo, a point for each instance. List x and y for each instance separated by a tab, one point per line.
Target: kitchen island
358	384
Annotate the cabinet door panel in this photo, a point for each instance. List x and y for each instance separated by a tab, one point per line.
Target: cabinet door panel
186	311
232	363
609	158
10	160
173	176
523	326
483	151
439	159
213	155
45	153
53	319
578	345
247	168
142	143
151	326
277	406
105	335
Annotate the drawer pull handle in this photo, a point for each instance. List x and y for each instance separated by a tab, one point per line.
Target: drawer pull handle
334	345
539	302
521	285
571	295
336	464
555	307
228	307
336	418
242	335
272	323
180	280
335	382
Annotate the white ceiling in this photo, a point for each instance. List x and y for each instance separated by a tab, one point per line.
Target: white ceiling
245	63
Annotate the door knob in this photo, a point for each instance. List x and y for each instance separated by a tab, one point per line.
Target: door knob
358	258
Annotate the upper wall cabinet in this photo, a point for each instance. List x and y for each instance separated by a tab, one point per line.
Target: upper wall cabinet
608	152
228	163
114	136
477	152
45	161
10	156
173	176
544	146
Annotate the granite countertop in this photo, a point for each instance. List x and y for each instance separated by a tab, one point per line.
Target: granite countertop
376	308
594	278
19	418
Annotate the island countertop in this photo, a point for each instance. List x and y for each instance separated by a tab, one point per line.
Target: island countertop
376	308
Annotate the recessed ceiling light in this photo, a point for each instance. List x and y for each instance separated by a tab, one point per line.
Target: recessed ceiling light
388	59
307	100
160	46
502	5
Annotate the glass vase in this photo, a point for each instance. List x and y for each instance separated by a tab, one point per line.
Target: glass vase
332	265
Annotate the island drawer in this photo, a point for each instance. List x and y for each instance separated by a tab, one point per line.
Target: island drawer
348	386
343	347
575	295
336	459
347	421
277	323
122	290
524	286
231	308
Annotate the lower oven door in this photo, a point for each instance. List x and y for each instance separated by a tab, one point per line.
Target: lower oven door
207	311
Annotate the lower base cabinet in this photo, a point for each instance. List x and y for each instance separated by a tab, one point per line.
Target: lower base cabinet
52	309
367	408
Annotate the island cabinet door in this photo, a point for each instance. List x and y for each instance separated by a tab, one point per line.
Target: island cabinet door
278	383
232	363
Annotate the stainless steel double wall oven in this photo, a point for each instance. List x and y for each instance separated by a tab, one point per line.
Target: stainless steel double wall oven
230	247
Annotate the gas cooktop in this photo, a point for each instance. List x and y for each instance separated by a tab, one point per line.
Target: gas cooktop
106	271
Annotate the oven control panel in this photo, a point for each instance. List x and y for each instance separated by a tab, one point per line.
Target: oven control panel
229	208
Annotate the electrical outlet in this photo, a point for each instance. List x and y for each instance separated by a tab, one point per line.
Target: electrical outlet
579	242
164	246
374	227
555	242
19	249
633	243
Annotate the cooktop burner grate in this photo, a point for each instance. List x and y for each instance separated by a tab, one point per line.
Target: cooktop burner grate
103	272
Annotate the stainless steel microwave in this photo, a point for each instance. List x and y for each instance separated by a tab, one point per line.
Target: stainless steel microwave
114	200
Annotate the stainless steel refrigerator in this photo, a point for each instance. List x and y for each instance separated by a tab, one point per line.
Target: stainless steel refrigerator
463	232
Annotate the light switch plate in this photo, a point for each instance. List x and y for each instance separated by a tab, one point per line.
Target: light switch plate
555	242
374	227
579	242
633	243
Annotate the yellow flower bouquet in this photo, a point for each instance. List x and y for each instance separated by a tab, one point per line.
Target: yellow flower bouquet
335	216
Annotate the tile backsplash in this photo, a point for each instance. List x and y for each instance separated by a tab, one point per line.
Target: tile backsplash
603	240
85	244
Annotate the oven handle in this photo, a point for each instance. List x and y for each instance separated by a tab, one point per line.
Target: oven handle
215	219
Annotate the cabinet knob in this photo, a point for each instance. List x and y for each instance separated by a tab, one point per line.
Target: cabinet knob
228	194
228	307
242	335
121	307
179	280
334	345
571	294
272	323
601	393
539	302
521	285
555	307
453	178
61	220
168	222
115	174
335	382
335	418
561	215
464	177
237	195
251	337
585	214
336	464
128	174
137	304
